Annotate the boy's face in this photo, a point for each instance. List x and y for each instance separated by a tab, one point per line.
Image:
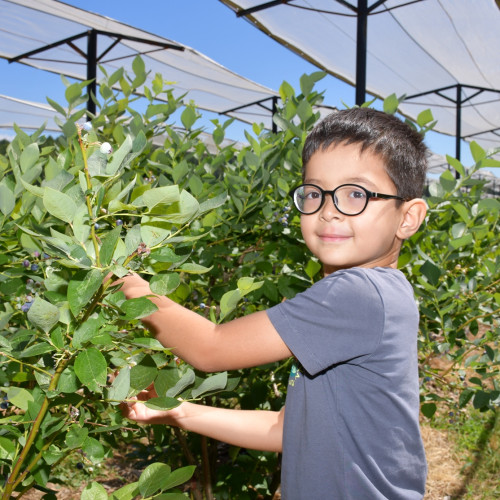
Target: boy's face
365	240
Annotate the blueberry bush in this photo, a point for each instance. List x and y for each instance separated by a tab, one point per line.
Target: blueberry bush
210	225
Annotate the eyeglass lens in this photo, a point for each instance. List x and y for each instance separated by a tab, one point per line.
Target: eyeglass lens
349	199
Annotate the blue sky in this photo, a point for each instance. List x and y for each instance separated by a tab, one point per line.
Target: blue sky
213	29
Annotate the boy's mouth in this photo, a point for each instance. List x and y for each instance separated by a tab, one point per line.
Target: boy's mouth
333	237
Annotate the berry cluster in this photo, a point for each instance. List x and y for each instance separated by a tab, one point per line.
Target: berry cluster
143	250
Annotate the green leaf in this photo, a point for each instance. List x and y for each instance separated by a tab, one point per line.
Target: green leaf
36	350
213	203
193	268
164	195
76	436
19	397
7	200
90	368
153	478
7	448
93	449
481	400
456	165
228	302
247	285
82	288
138	308
312	268
59	205
164	284
56	106
428	409
67	382
127	492
108	246
153	231
166	254
162	403
94	491
465	240
431	272
448	181
143	374
188	117
85	332
424	117
29	157
138	66
283	187
73	92
43	314
149	343
215	383
118	157
391	104
478	153
179	476
185	381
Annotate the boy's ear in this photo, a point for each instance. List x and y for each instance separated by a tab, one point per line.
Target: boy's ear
413	215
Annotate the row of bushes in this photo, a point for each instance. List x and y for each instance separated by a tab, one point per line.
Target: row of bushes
215	232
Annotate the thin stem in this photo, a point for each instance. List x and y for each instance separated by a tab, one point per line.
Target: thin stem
33	367
87	197
12	481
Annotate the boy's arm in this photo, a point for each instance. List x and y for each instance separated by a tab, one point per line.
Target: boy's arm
256	430
244	342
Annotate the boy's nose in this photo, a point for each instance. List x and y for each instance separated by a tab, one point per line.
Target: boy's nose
329	210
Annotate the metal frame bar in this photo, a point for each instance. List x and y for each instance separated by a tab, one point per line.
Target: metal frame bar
458	101
92	57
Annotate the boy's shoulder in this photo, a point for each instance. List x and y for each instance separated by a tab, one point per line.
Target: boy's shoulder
378	276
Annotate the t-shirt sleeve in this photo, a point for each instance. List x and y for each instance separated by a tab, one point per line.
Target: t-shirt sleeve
338	319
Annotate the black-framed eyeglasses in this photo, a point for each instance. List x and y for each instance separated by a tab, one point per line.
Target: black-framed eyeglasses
349	199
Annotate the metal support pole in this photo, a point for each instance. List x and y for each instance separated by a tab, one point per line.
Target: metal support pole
361	47
458	130
273	112
91	71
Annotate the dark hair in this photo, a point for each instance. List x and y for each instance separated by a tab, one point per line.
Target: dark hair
400	146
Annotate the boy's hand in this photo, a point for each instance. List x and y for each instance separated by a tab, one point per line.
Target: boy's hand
137	411
133	286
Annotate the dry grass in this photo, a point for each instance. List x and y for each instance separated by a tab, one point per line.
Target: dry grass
444	478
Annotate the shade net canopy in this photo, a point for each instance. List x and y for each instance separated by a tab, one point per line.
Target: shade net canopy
29	25
442	48
26	114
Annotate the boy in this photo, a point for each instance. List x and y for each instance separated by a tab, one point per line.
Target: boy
350	429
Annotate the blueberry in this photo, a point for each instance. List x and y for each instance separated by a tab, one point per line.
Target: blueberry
26	307
26	263
4	405
45	256
106	148
96	225
79	466
34	267
36	254
119	222
202	305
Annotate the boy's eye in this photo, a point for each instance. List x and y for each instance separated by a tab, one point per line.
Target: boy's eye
312	195
357	194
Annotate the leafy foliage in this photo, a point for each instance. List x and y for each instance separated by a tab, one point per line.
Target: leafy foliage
210	226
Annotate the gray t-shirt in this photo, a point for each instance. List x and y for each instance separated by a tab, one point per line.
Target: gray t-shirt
351	426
